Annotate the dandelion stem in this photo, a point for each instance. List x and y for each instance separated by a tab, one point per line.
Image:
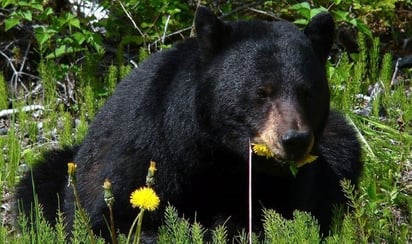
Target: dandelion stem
129	235
137	234
112	229
109	199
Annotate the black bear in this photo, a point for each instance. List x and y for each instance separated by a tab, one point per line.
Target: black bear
195	109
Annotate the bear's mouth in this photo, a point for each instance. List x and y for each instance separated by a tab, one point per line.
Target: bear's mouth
298	156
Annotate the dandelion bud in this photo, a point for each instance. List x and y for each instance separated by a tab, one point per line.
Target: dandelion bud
108	194
71	168
71	171
150	174
152	167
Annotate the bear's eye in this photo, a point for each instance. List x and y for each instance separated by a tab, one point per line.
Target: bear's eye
263	92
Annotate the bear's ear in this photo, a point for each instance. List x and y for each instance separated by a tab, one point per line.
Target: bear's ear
321	32
211	32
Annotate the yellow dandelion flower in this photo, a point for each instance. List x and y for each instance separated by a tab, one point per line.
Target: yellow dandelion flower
262	150
308	159
71	168
145	198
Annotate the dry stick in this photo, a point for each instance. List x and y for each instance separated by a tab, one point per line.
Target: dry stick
165	29
395	72
172	34
241	8
7	112
34	91
26	53
250	193
192	28
131	19
360	136
272	15
15	72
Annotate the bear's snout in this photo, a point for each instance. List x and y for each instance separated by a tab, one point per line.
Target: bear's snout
296	144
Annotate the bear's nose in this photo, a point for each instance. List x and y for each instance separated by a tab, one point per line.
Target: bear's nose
296	144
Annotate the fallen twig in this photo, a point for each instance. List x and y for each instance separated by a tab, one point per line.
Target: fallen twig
131	19
7	112
272	15
15	72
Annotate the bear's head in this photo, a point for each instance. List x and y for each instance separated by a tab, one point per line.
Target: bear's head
264	82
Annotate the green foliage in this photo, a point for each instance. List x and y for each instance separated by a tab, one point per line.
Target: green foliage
197	233
383	9
3	93
243	238
124	71
60	226
219	235
360	13
301	229
80	233
147	26
66	136
381	193
111	78
58	34
81	128
89	101
177	230
36	229
306	12
114	75
385	73
13	153
3	169
48	73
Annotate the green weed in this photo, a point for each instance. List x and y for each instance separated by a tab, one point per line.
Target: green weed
3	93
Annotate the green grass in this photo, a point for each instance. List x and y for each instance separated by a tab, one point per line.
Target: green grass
3	93
382	204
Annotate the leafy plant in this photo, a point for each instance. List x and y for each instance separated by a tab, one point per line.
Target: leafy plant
307	12
56	35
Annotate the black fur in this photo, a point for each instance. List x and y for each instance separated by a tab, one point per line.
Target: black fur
50	177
